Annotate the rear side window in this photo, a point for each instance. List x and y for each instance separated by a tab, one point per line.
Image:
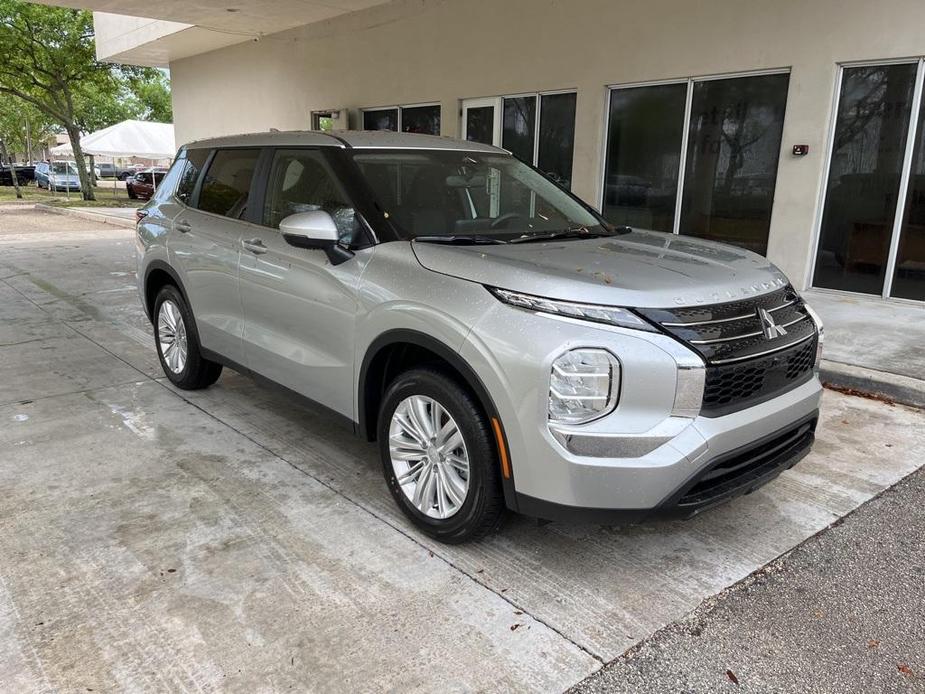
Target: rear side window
227	183
193	161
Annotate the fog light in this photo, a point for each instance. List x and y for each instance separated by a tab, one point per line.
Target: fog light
584	385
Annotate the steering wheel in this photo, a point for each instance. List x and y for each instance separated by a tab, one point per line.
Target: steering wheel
502	221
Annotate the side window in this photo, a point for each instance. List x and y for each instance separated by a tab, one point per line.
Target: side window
167	183
193	163
300	181
227	182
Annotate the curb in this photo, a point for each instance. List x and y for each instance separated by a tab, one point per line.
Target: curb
84	214
878	384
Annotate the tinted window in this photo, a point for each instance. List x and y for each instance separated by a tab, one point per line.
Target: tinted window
421	119
557	137
383	119
909	277
301	181
195	159
480	124
644	155
874	110
518	126
227	182
167	183
732	154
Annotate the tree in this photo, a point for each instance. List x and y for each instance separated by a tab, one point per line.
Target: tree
150	88
23	127
49	61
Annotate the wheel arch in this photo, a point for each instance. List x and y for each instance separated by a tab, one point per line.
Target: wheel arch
373	381
157	274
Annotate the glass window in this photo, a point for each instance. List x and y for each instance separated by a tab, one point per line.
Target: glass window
195	160
518	126
301	181
909	275
381	119
644	155
421	119
167	182
557	137
443	193
863	184
480	124
227	182
732	155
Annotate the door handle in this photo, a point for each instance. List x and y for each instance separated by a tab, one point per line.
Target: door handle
182	226
255	246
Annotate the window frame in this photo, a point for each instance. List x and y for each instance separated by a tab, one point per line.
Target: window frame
690	81
399	108
901	193
255	180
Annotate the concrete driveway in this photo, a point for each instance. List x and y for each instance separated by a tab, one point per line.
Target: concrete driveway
233	539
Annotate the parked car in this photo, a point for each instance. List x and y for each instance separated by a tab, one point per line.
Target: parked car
141	186
108	170
41	174
57	175
24	174
503	343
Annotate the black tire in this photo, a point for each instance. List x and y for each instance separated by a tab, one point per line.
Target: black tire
131	193
483	508
198	372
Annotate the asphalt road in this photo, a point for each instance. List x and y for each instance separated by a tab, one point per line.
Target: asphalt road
843	612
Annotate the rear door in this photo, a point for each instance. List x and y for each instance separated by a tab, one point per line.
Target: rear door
300	309
205	246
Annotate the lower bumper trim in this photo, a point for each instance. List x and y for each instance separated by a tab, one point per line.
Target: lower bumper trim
732	474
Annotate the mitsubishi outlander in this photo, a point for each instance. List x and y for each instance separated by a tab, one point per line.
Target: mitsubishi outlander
504	345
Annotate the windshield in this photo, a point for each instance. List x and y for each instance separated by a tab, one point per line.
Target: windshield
63	167
437	193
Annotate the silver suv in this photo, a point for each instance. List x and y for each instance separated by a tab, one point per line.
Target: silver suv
504	344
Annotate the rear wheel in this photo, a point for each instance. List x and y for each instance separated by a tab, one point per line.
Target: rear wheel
439	457
178	344
131	193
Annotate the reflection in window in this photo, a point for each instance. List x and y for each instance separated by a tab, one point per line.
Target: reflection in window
518	126
381	119
300	181
480	124
227	182
421	119
909	276
195	160
557	137
863	184
732	154
644	155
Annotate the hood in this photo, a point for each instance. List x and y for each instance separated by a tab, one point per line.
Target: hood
645	269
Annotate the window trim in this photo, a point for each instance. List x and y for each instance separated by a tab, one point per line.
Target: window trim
685	132
905	176
399	108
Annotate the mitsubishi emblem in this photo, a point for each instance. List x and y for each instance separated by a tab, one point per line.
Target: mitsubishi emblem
771	329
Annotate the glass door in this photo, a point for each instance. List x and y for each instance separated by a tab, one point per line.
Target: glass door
872	234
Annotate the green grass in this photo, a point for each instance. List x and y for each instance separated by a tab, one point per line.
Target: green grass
105	197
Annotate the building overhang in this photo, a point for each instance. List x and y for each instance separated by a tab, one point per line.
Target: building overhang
157	32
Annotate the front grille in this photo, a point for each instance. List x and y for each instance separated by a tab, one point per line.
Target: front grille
744	470
744	365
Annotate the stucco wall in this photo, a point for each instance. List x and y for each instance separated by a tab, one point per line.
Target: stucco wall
447	50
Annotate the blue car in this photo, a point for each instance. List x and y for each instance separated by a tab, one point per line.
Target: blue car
57	175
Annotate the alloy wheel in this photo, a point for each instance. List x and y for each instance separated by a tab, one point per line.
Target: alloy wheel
429	456
171	334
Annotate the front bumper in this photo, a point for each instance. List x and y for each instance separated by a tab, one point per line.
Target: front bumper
646	459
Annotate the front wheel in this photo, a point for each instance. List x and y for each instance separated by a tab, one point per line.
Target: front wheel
439	457
178	344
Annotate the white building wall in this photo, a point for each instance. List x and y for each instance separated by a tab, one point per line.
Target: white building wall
445	50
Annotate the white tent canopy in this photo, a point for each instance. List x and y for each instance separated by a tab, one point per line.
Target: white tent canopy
130	138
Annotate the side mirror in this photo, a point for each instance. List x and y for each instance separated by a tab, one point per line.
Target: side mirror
314	230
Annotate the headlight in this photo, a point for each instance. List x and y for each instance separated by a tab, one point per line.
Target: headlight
611	315
584	385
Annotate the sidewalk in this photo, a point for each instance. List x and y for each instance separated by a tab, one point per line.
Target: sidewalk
116	216
873	345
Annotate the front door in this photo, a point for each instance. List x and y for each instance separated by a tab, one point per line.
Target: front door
300	310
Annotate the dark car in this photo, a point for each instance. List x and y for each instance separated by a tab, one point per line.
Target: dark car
141	186
24	174
108	170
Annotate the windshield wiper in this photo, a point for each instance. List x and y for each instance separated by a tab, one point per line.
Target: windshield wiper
460	239
571	233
